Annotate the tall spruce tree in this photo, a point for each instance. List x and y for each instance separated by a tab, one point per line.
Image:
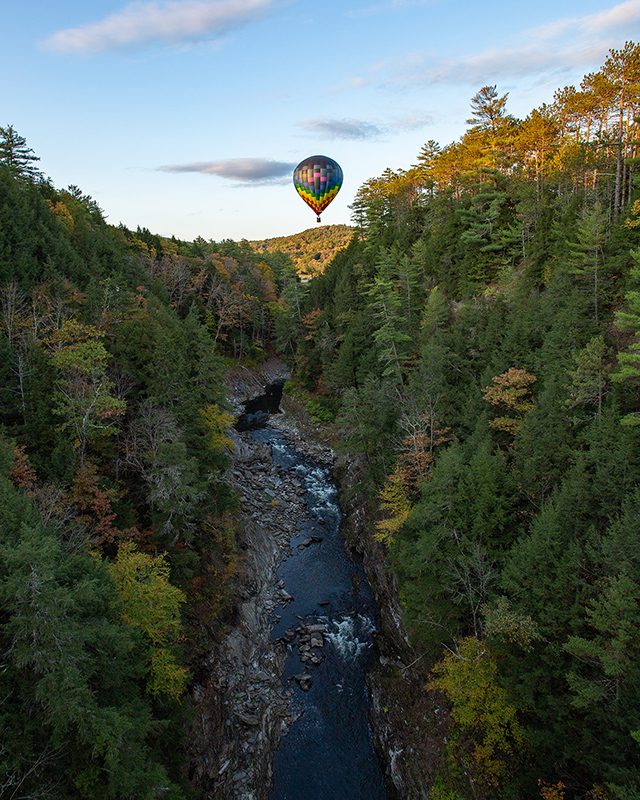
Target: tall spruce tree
15	154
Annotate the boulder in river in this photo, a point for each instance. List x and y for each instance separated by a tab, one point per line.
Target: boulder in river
311	540
303	679
320	628
253	421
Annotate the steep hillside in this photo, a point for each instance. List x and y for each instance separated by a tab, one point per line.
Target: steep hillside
310	250
478	346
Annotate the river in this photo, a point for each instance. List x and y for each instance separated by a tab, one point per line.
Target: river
328	751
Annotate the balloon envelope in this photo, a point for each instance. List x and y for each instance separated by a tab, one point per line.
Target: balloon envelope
317	180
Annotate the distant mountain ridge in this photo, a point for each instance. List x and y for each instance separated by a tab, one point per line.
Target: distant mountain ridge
311	250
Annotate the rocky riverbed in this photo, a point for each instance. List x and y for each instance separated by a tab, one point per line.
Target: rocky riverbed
242	709
250	723
298	649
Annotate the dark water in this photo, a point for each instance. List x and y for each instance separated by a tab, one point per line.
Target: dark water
257	410
328	752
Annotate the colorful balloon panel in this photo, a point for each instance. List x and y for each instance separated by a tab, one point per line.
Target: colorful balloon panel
317	180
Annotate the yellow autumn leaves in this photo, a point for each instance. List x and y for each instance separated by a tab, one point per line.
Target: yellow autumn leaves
149	602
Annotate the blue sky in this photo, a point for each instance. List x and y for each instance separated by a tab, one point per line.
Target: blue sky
186	116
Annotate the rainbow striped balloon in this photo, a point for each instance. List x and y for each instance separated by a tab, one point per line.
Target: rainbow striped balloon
317	180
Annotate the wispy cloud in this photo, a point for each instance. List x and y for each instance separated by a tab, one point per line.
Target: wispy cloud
618	18
515	62
342	128
172	21
361	129
570	42
246	171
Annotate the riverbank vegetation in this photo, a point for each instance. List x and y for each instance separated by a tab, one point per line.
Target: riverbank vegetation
118	550
479	340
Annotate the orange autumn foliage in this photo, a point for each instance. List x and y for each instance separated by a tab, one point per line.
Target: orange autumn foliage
23	475
94	507
510	394
550	791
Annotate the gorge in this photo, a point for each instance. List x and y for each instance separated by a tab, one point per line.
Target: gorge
299	715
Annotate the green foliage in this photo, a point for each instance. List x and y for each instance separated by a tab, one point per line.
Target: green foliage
502	623
586	253
485	719
611	655
148	601
111	389
588	378
74	678
628	319
311	250
493	290
15	154
83	398
319	411
475	344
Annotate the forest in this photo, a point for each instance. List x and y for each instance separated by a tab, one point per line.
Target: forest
477	345
310	251
118	524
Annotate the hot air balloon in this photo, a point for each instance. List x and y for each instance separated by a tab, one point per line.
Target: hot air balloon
317	180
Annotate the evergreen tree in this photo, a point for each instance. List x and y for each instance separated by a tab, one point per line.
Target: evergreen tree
489	118
15	154
587	251
628	319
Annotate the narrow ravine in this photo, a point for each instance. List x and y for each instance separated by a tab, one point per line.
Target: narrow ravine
283	710
327	626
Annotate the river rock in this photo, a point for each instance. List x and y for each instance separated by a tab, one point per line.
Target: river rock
320	628
303	680
311	540
248	719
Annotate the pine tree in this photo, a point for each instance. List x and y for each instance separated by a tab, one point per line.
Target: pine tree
488	117
386	306
587	257
629	320
427	156
536	141
15	154
510	393
589	375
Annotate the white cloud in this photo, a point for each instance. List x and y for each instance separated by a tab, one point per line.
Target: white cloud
412	122
573	42
516	62
245	170
171	21
617	18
